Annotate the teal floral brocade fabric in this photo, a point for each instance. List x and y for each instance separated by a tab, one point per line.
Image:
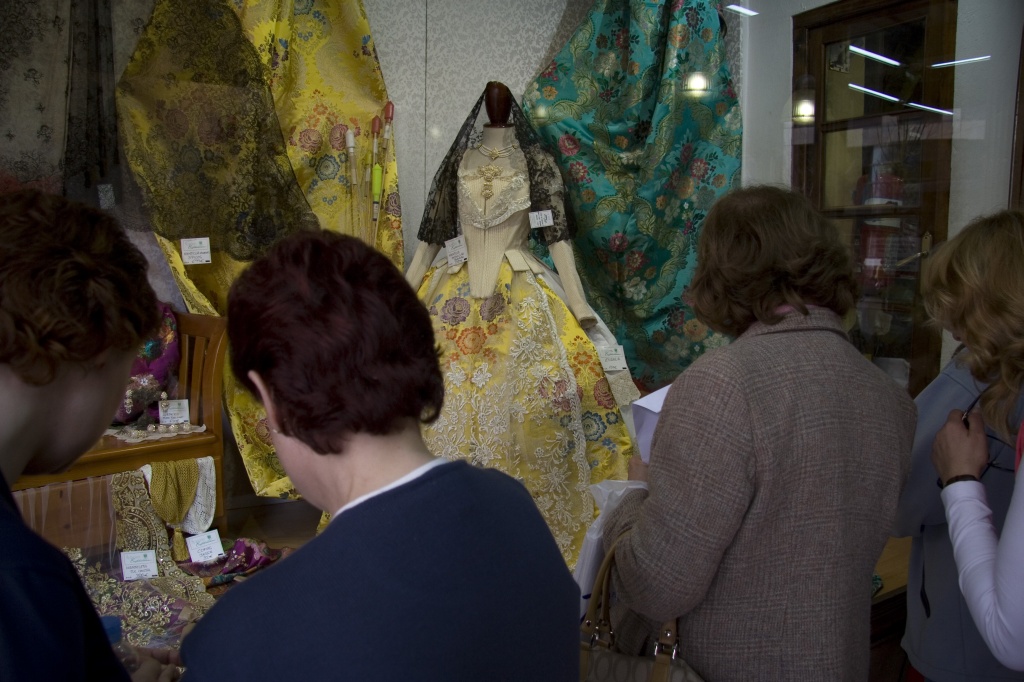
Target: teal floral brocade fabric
644	156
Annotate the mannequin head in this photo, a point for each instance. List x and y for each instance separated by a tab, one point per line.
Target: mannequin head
498	100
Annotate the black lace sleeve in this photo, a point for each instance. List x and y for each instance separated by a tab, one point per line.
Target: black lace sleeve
547	189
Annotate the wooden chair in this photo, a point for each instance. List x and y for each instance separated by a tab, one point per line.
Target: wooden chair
203	342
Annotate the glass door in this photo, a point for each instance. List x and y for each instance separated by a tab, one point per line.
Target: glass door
872	125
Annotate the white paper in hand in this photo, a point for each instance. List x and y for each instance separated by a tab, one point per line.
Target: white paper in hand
646	411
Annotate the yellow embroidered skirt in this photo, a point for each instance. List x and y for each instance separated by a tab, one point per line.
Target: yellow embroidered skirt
525	393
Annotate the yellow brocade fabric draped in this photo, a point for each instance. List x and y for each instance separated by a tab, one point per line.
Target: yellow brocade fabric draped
525	394
234	117
326	81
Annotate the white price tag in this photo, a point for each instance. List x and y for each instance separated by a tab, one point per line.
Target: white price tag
456	248
613	358
136	565
195	251
173	411
205	546
541	219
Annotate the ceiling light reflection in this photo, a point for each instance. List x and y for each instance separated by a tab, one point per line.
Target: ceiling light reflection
957	62
873	55
742	10
875	93
928	108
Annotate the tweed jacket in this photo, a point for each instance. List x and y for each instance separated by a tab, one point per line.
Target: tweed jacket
775	472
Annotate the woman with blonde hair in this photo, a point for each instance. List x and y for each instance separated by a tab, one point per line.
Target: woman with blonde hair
974	287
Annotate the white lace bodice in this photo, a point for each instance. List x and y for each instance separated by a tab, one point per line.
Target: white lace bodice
500	232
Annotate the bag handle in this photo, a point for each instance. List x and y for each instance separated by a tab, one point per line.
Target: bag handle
596	628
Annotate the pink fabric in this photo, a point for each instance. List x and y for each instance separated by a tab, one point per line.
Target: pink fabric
153	371
243	559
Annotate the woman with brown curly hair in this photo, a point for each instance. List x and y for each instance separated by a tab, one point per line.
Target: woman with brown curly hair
973	285
776	465
74	306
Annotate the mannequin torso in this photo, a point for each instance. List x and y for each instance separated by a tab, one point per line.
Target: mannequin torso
524	388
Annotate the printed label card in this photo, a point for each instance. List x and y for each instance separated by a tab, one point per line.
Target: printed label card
457	254
613	358
173	411
139	565
195	251
205	546
540	219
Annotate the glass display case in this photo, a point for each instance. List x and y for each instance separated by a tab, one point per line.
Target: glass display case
872	125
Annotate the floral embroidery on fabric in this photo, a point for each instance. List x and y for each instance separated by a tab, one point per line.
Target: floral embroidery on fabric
154	612
524	393
643	163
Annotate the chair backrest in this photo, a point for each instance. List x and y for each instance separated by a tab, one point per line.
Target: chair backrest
200	375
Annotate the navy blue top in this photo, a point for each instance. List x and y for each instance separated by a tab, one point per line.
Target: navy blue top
453	576
49	629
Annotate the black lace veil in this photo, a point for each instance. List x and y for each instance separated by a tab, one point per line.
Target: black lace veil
441	214
201	133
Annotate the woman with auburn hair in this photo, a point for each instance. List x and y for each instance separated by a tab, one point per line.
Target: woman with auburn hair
449	567
775	467
973	285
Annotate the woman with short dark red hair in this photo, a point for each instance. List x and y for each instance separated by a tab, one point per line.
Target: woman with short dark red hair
450	567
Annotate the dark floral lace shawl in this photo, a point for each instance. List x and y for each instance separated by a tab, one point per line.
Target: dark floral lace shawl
441	215
202	135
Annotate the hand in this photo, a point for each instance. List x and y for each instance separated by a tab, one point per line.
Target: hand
638	469
958	450
157	665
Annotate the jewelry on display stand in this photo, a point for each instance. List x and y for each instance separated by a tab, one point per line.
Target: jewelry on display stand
489	173
496	154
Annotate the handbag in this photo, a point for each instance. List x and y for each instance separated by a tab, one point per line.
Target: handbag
600	663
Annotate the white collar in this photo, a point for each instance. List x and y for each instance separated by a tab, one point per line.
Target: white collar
411	476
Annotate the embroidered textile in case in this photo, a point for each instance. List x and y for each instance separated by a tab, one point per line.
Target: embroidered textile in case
154	612
172	490
644	159
245	558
